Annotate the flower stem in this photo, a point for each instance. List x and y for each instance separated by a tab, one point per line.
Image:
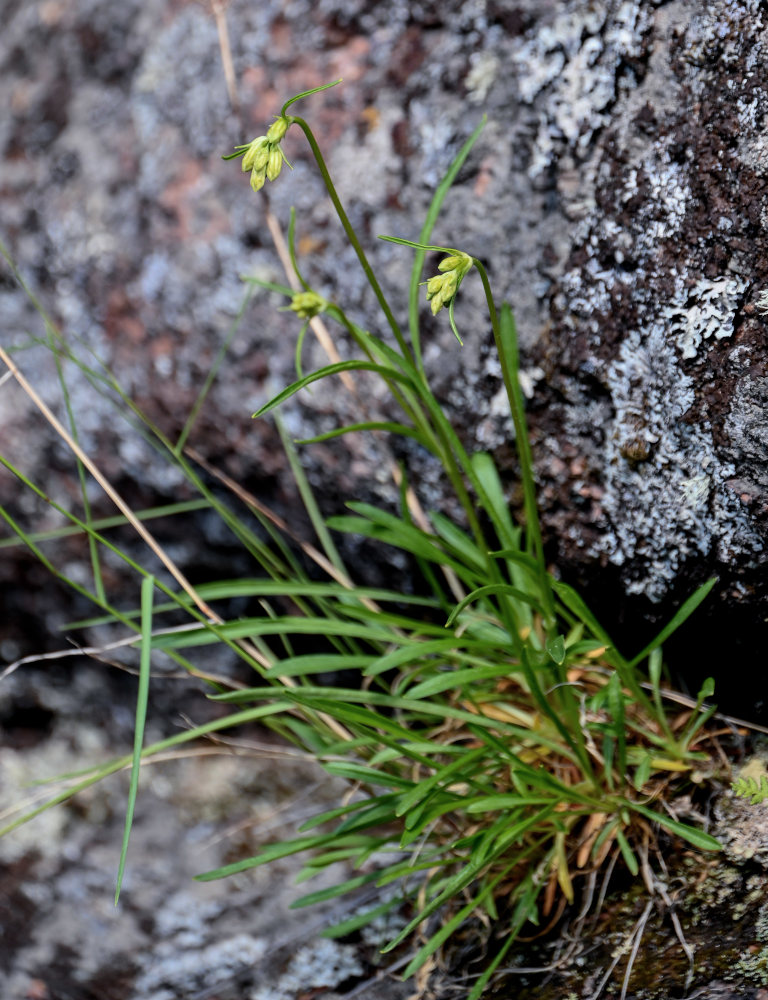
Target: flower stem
352	237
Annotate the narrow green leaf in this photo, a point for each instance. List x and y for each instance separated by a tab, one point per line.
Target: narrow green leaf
698	838
642	772
451	680
526	895
99	773
388	427
493	588
458	540
307	93
322	895
426	231
331	814
485	469
442	776
626	852
147	590
368	775
101	524
449	926
453	886
346	927
272	852
301	481
288	625
326	372
683	612
316	663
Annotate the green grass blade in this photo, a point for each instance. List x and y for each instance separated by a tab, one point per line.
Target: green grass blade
526	895
93	547
308	499
454	680
346	927
385	426
147	589
426	231
698	838
103	523
326	372
505	589
317	663
99	773
684	611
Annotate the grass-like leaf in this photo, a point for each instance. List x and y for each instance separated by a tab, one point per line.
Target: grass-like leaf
147	590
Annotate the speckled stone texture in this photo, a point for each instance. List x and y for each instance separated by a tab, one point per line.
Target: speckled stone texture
616	192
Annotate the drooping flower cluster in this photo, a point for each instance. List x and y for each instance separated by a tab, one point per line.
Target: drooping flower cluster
442	288
264	156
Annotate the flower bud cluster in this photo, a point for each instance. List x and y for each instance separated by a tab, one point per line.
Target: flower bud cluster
264	156
442	288
306	305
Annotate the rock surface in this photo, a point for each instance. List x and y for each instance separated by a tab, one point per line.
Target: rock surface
617	193
170	938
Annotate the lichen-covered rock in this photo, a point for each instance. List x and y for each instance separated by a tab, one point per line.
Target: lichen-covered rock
617	193
656	351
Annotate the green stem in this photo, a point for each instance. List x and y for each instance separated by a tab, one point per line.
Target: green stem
352	237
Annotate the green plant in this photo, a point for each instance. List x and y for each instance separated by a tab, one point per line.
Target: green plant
751	788
499	744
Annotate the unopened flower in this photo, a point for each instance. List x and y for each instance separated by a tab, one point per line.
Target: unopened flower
274	163
257	154
443	287
306	305
277	130
264	156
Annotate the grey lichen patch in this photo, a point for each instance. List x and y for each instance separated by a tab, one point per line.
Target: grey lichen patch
571	67
184	963
665	492
659	279
710	310
742	828
322	964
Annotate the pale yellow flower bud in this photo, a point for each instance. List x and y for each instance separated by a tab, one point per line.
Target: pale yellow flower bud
274	163
277	130
256	149
442	287
257	179
436	304
451	263
434	285
308	304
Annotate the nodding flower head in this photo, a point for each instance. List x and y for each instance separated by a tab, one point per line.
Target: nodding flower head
306	305
264	156
443	287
